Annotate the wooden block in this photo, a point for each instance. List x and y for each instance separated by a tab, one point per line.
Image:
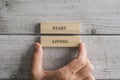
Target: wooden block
60	28
60	41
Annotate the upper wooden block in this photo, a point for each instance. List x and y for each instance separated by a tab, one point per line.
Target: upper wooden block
60	28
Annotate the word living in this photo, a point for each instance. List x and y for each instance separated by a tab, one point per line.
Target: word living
60	41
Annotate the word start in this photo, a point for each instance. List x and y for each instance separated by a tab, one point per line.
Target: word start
59	28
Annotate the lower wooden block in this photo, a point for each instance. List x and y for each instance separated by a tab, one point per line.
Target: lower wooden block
60	41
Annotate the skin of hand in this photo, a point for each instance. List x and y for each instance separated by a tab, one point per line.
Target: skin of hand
78	69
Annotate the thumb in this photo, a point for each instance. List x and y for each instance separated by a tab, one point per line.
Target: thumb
82	51
37	60
78	63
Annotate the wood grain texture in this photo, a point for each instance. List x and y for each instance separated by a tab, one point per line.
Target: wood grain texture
16	52
23	16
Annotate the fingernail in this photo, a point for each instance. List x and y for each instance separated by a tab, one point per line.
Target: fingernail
37	45
82	44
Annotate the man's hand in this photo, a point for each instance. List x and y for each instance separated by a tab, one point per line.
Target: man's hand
79	69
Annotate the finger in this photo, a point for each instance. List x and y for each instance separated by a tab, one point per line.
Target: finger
37	60
85	71
82	51
90	77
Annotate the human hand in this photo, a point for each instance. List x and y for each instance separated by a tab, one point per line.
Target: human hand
78	69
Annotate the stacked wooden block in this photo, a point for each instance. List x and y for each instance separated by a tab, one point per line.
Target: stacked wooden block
60	34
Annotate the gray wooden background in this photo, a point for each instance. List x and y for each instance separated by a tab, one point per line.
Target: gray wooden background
19	30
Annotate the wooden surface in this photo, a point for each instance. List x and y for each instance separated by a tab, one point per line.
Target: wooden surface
19	30
16	51
23	16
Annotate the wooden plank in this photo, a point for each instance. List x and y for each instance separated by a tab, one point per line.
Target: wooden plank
23	16
16	52
60	28
60	41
